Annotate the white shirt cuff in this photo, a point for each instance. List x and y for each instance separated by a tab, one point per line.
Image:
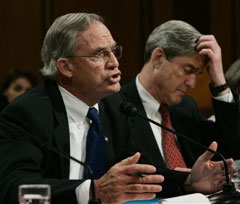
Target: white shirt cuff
228	98
82	192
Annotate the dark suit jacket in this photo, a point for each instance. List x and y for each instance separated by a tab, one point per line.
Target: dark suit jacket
41	112
187	120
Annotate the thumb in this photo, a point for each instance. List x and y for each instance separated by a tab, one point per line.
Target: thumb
130	160
208	155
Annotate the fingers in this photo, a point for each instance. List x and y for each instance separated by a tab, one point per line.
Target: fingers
206	52
208	155
207	45
219	173
142	188
138	168
148	179
183	169
231	168
204	38
115	187
123	183
230	162
130	166
208	41
130	160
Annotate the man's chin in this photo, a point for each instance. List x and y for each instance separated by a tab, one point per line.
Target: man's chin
176	100
179	99
113	89
116	87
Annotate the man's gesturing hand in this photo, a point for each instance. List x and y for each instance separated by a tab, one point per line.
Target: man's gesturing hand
208	176
123	182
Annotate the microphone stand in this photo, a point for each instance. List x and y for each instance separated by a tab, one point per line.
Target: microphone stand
229	193
93	200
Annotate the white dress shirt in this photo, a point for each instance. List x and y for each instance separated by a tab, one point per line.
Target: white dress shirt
78	128
151	106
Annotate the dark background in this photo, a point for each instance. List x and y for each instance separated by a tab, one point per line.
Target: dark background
24	23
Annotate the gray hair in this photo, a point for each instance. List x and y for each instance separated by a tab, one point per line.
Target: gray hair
176	38
60	39
233	76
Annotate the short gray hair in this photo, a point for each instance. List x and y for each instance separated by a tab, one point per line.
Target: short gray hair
233	76
60	39
176	38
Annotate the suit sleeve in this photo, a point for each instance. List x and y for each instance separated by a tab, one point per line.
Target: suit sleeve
228	124
24	162
226	129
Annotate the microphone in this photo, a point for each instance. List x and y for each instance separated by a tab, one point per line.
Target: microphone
229	193
24	135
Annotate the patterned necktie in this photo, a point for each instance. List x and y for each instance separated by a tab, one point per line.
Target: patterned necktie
95	146
171	149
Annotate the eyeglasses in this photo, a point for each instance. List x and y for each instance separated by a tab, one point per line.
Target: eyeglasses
103	56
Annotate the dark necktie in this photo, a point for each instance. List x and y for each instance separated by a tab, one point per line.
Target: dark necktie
171	149
95	146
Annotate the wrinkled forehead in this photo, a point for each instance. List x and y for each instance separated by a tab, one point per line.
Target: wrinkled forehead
195	61
95	36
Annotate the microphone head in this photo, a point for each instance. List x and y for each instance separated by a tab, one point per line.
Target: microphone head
128	109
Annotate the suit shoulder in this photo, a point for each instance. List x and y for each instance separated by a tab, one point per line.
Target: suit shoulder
126	87
187	106
113	100
36	94
33	101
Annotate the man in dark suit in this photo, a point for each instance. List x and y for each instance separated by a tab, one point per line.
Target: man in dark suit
175	54
81	67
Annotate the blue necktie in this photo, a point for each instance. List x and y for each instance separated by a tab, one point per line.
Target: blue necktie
95	146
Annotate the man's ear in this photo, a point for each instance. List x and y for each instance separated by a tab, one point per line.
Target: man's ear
64	67
157	57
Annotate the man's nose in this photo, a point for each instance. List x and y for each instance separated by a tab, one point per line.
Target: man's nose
191	81
112	61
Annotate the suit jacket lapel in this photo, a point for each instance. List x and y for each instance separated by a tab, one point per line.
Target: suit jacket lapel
148	143
109	153
141	130
61	128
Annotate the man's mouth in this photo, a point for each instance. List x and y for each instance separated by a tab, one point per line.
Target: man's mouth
115	78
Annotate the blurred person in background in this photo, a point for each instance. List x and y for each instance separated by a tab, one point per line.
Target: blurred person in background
233	78
15	83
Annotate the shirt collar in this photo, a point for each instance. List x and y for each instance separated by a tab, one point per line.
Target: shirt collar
150	104
75	107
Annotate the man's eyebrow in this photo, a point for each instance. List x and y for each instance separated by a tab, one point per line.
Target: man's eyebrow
193	68
99	49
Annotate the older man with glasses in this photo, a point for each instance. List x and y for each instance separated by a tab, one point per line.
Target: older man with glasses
80	67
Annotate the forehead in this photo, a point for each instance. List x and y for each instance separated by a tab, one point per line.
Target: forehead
195	61
22	80
97	35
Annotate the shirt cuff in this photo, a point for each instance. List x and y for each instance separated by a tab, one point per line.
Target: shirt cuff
82	192
228	98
